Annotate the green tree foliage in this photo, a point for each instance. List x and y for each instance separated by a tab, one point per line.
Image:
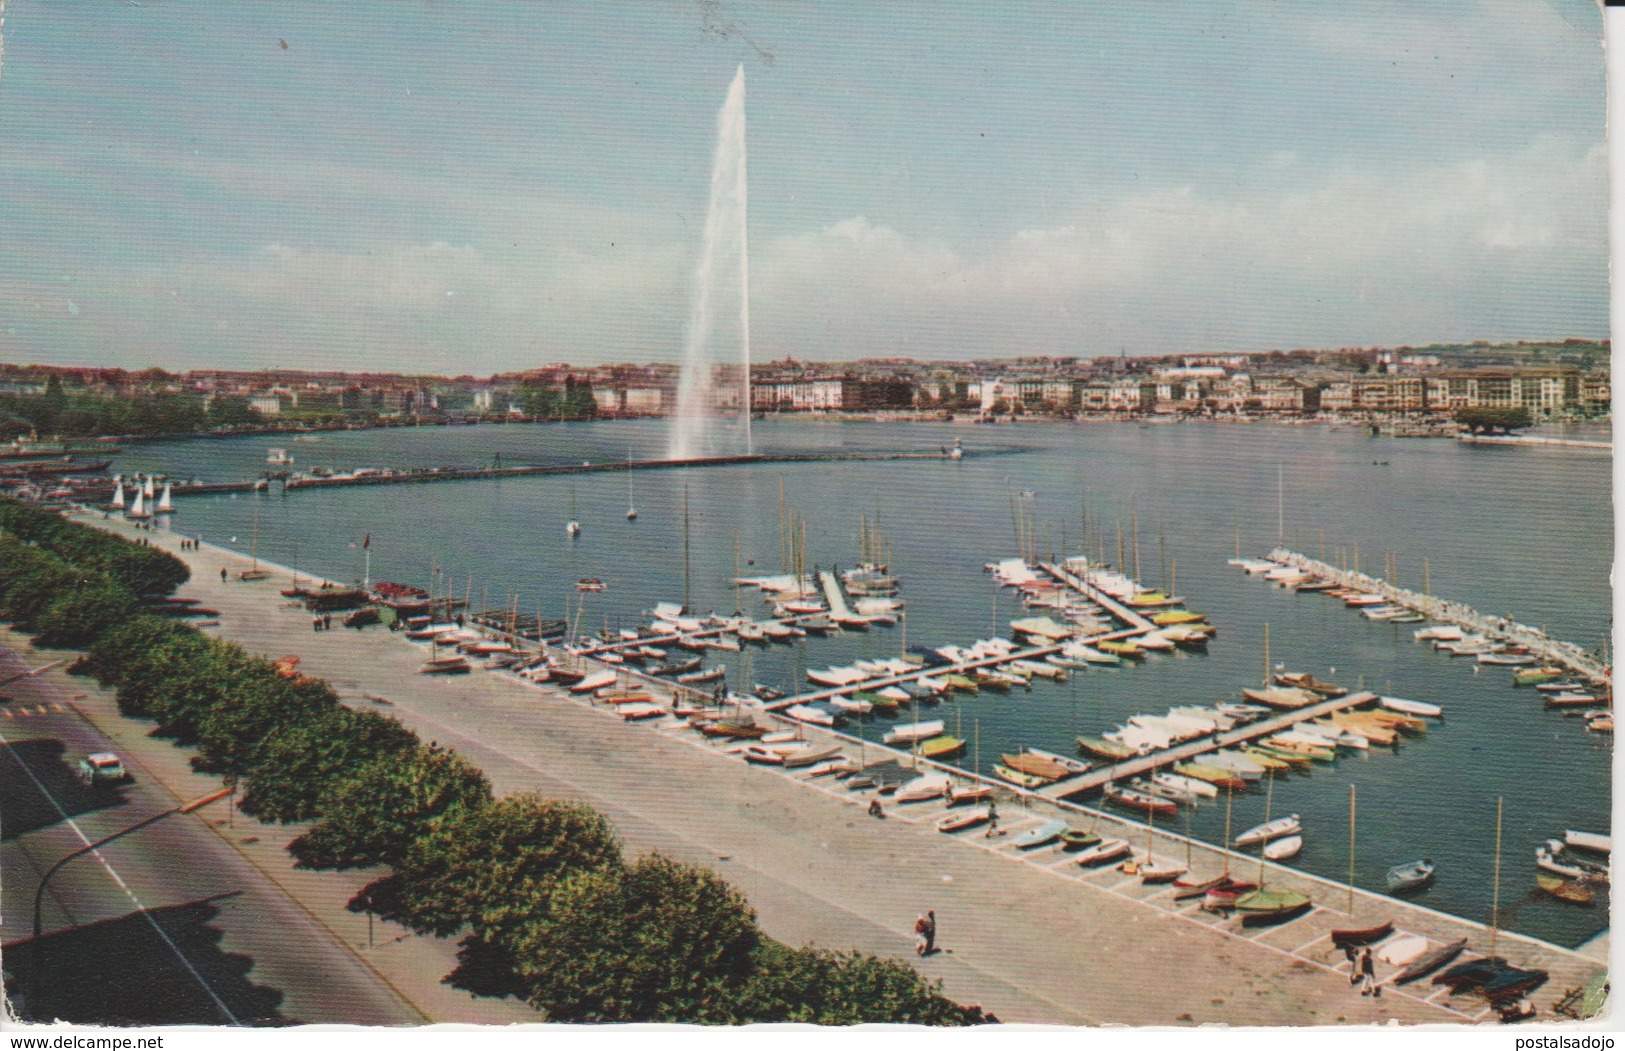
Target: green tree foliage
1480	420
492	867
300	760
79	615
230	735
658	941
144	570
843	988
373	817
138	656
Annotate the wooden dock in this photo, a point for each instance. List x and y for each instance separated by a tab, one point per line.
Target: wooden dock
1188	750
1547	649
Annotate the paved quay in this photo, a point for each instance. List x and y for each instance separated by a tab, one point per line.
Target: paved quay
1031	937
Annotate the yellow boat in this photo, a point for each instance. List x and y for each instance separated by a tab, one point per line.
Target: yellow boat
1120	649
942	747
960	682
1016	777
1176	616
1213	775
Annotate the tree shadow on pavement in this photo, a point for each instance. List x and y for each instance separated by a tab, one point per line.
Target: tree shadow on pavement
120	972
23	808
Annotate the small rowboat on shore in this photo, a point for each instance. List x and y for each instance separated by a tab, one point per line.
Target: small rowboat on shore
1102	852
960	820
1036	837
1430	961
1362	935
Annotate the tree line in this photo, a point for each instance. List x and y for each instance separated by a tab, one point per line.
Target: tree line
549	906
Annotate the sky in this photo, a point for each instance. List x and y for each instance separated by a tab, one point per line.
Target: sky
459	187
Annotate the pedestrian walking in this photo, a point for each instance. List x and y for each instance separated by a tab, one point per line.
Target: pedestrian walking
930	933
315	624
1352	955
992	820
327	622
919	935
1368	974
222	574
875	809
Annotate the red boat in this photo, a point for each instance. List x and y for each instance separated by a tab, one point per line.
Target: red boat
1141	801
1224	896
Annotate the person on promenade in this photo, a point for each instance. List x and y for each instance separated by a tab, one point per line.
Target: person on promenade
1352	955
222	574
920	927
1368	974
875	809
930	933
992	820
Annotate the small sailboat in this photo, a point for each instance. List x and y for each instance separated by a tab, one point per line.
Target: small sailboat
1281	826
138	508
631	508
166	504
118	493
573	526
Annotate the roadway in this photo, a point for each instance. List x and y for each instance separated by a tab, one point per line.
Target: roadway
168	926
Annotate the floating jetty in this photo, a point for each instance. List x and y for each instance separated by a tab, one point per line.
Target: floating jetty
1551	651
1180	753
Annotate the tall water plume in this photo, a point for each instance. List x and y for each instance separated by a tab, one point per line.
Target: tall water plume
712	416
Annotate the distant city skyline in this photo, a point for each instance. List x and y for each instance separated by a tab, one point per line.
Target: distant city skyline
470	189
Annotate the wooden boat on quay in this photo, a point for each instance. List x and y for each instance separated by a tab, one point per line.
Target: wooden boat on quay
1512	983
1161	870
924	787
1102	852
1038	836
1362	935
1038	766
1305	681
1265	905
1223	897
976	792
1429	962
1282	849
1185	890
638	710
959	820
450	664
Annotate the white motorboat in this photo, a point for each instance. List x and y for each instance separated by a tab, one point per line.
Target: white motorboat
1215	720
1185	784
1071	765
836	677
852	705
1281	849
1339	735
1281	826
808	714
1596	841
1552	857
1405	707
1243	766
1242	712
1440	632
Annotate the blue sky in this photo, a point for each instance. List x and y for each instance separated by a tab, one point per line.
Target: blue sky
468	187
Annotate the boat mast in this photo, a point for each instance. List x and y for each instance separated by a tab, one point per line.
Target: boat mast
1495	894
1224	849
1238	542
1266	655
1351	850
736	575
1269	800
1134	530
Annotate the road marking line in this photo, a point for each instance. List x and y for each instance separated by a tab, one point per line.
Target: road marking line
140	907
1299	950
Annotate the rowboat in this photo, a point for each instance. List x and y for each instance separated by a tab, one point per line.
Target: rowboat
944	746
913	733
1373	732
1088	654
1036	766
927	786
1016	777
834	766
1033	838
1162	791
1305	681
1168	618
1076	839
1185	890
960	682
1602	723
1106	749
1141	801
1102	852
1570	686
1281	849
760	753
1120	648
960	820
1576	891
1406	724
1241	712
1570	700
817	715
1212	775
1362	935
1266	904
1283	697
454	664
851	705
1360	598
1410	876
1536	676
1506	659
1602	844
1281	826
1429	962
1266	760
636	710
1342	736
695	677
1403	951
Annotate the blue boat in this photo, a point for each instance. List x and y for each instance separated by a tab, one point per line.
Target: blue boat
1037	837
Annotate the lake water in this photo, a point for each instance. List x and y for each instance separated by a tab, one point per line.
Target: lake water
1525	532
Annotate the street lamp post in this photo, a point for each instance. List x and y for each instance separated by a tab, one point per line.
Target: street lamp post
39	892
